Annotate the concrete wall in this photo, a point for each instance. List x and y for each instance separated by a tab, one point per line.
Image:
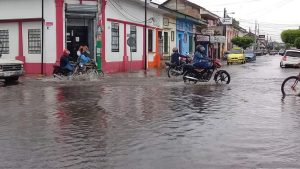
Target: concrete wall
12	9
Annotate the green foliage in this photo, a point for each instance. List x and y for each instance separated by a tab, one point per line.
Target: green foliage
290	35
243	42
288	46
297	43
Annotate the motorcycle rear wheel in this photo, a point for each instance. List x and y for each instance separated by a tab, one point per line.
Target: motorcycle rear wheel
173	73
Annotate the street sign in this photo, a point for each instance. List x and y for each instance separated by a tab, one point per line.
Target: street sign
207	31
263	37
217	39
202	38
226	21
131	42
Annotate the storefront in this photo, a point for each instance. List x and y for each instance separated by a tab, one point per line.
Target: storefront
202	40
81	27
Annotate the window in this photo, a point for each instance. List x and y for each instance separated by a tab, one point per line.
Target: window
172	35
166	42
133	35
4	39
34	41
150	40
292	54
191	43
115	37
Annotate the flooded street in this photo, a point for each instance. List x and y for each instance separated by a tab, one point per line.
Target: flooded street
133	121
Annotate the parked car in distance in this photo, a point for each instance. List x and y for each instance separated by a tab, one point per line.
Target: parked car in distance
226	53
273	52
258	53
250	56
291	58
281	52
236	55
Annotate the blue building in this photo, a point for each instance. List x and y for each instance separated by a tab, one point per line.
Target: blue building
184	36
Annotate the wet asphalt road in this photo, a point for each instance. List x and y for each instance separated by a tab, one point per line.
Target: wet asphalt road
133	121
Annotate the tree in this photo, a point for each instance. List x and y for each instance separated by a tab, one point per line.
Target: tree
288	46
297	43
243	42
290	35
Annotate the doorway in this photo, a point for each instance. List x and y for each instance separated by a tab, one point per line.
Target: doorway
76	36
180	43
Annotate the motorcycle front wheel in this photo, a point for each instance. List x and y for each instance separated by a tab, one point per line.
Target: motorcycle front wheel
222	77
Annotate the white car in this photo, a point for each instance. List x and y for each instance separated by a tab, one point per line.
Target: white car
291	58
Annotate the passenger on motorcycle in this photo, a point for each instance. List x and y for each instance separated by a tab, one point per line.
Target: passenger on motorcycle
175	57
83	59
65	61
201	61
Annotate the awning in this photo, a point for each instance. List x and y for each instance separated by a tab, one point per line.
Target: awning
81	11
73	8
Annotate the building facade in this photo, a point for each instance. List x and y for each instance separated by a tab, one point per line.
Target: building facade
36	32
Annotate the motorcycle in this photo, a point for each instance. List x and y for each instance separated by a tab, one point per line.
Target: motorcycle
195	75
79	69
89	68
177	70
60	72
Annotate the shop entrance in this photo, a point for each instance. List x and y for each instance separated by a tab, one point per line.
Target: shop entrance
81	28
76	36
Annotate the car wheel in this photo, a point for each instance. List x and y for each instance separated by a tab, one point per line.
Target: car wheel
11	79
281	65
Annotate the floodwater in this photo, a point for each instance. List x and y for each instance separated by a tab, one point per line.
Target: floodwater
137	121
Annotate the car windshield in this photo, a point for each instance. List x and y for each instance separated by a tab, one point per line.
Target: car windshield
236	51
249	51
292	54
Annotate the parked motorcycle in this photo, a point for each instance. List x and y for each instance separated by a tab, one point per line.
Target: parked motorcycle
195	75
177	70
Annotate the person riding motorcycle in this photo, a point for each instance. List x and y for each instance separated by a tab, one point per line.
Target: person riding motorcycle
83	59
200	60
175	57
65	62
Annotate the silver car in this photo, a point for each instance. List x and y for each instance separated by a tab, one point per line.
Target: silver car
291	58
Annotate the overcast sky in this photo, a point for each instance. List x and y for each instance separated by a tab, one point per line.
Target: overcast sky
273	16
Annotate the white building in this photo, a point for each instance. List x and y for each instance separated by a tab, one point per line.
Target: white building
126	18
71	23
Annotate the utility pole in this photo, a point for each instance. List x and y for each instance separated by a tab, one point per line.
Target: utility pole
42	40
145	36
255	47
224	28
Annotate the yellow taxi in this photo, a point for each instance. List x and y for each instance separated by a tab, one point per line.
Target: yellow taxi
236	55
